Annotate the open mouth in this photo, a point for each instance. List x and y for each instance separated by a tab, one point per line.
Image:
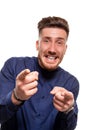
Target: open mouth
50	58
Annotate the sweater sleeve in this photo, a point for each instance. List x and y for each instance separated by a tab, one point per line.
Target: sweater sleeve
7	83
68	121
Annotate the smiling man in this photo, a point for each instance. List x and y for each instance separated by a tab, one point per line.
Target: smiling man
51	47
35	92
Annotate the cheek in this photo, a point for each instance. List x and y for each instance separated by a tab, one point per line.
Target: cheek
42	49
62	50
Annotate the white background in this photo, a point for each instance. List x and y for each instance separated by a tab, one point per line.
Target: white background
18	33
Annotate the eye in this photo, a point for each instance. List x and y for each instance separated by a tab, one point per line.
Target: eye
45	40
60	42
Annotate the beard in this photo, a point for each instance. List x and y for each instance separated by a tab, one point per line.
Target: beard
47	66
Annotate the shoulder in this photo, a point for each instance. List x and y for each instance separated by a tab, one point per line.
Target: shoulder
69	81
17	64
19	60
67	76
66	73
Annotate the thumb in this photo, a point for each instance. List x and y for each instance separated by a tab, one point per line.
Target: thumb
53	91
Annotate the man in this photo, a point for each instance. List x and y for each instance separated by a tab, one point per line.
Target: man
35	92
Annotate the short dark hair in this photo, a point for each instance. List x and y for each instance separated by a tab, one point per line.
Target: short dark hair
53	22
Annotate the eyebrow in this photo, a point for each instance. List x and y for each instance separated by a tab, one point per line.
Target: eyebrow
58	38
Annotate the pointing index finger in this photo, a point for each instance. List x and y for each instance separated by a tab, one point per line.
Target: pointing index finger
21	76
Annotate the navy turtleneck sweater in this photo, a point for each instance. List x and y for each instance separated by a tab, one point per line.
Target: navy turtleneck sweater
37	113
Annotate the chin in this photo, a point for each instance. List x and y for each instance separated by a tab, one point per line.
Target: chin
50	67
47	66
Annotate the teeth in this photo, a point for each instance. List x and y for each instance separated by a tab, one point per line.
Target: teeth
51	58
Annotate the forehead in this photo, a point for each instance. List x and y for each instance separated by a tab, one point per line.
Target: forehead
53	32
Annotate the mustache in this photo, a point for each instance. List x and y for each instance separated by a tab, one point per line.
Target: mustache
52	53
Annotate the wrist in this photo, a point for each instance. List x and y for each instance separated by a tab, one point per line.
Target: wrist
16	97
70	109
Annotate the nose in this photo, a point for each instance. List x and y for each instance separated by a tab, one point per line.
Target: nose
52	47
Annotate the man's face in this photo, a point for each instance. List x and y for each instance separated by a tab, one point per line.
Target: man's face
51	47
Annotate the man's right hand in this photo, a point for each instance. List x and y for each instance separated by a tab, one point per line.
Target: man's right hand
26	85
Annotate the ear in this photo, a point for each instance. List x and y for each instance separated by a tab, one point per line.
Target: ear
37	45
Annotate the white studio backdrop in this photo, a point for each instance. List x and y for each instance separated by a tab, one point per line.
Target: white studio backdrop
18	34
